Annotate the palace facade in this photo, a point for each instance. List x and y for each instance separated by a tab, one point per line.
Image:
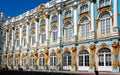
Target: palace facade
80	35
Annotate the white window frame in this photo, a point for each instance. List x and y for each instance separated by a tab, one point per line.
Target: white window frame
104	4
83	57
53	59
105	33
85	29
68	32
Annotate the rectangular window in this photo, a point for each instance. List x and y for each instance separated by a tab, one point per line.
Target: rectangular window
43	38
55	34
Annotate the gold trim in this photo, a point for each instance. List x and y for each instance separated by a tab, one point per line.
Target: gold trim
74	7
46	16
59	11
103	45
83	1
83	47
67	20
53	23
115	46
115	63
43	27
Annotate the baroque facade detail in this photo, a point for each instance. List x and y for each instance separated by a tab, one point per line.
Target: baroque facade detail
64	34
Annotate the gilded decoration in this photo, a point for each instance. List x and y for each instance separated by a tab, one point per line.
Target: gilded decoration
103	45
46	57
82	1
4	56
92	64
84	15
42	6
26	23
43	27
35	57
59	11
92	49
53	12
58	54
91	0
47	16
115	46
75	6
32	29
68	6
83	47
74	49
73	63
115	63
12	28
66	49
24	32
6	30
53	23
67	20
58	57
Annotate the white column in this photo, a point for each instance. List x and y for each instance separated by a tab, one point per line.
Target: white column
115	14
6	38
92	19
47	27
20	35
36	31
60	23
13	37
28	36
75	21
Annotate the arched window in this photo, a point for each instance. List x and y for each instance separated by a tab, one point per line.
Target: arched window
104	55
54	33
68	31
54	18
105	23
66	59
84	8
23	60
53	59
24	36
84	58
41	59
42	22
31	60
68	14
43	36
85	27
103	3
32	34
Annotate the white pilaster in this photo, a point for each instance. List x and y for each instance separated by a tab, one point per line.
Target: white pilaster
36	32
92	20
75	21
13	38
20	35
6	39
28	36
47	27
115	14
60	23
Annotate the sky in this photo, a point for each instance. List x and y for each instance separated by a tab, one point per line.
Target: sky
16	7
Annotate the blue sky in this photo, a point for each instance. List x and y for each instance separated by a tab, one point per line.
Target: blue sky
15	7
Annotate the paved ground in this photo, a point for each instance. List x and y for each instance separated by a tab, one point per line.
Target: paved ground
89	73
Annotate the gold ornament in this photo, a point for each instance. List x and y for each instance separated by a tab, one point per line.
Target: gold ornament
116	63
92	64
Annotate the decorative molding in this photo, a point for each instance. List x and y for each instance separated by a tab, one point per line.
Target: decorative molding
103	45
43	27
66	49
53	23
83	47
59	11
67	20
74	7
47	16
115	46
83	1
